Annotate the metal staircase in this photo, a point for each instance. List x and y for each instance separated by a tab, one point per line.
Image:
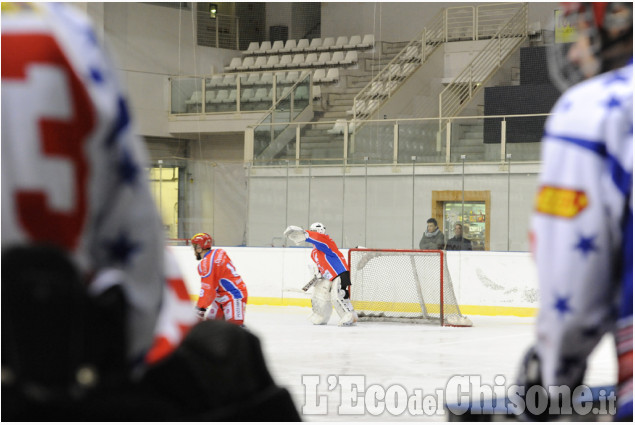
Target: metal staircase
458	93
505	24
404	64
274	135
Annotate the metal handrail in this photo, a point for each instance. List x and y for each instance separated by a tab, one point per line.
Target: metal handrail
424	38
439	31
463	86
271	110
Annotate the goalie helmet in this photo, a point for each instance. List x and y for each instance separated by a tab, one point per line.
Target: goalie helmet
203	240
318	227
604	42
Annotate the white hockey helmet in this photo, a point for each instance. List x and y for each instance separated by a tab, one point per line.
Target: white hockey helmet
318	227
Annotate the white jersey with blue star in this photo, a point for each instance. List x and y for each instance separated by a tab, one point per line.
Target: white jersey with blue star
582	227
73	168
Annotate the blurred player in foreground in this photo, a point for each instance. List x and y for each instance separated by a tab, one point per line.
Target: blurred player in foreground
332	280
582	228
97	324
222	288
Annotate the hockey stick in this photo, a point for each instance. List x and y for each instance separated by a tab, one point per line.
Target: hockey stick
310	283
293	290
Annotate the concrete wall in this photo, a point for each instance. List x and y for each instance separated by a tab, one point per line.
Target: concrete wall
485	283
150	43
377	211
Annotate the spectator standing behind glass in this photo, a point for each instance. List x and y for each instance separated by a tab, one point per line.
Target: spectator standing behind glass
433	238
458	242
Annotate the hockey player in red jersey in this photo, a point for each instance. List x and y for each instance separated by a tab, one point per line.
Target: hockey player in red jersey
222	288
100	327
333	278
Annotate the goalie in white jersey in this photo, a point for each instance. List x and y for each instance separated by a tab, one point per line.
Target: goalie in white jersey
582	229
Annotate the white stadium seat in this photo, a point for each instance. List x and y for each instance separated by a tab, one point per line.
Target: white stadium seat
261	62
310	59
229	80
368	42
272	62
247	95
298	60
285	61
323	59
332	76
267	78
302	45
197	97
336	59
292	77
302	92
319	75
338	128
280	77
209	96
253	78
234	64
351	58
269	96
340	43
260	94
276	47
220	96
288	47
231	98
253	48
264	46
316	43
215	81
327	43
248	63
354	42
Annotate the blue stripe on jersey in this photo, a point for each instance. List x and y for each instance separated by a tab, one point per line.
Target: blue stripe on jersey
595	146
229	286
624	411
211	262
626	307
623	179
333	259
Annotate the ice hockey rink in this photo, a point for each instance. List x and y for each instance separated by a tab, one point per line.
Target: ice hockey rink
401	358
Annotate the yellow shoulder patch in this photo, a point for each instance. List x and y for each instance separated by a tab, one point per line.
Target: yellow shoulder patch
13	8
561	202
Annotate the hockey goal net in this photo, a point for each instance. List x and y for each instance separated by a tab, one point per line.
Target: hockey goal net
404	286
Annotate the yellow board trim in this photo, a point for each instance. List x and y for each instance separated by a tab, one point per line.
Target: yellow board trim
475	310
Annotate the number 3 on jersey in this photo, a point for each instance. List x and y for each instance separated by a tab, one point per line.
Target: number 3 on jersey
53	131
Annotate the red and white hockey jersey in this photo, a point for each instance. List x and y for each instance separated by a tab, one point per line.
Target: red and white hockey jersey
219	278
328	258
73	169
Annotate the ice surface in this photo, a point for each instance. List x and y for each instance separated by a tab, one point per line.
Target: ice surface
413	356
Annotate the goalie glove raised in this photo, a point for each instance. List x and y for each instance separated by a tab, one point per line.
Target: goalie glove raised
296	234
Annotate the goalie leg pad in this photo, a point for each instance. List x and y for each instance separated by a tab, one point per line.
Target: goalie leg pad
321	303
343	307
